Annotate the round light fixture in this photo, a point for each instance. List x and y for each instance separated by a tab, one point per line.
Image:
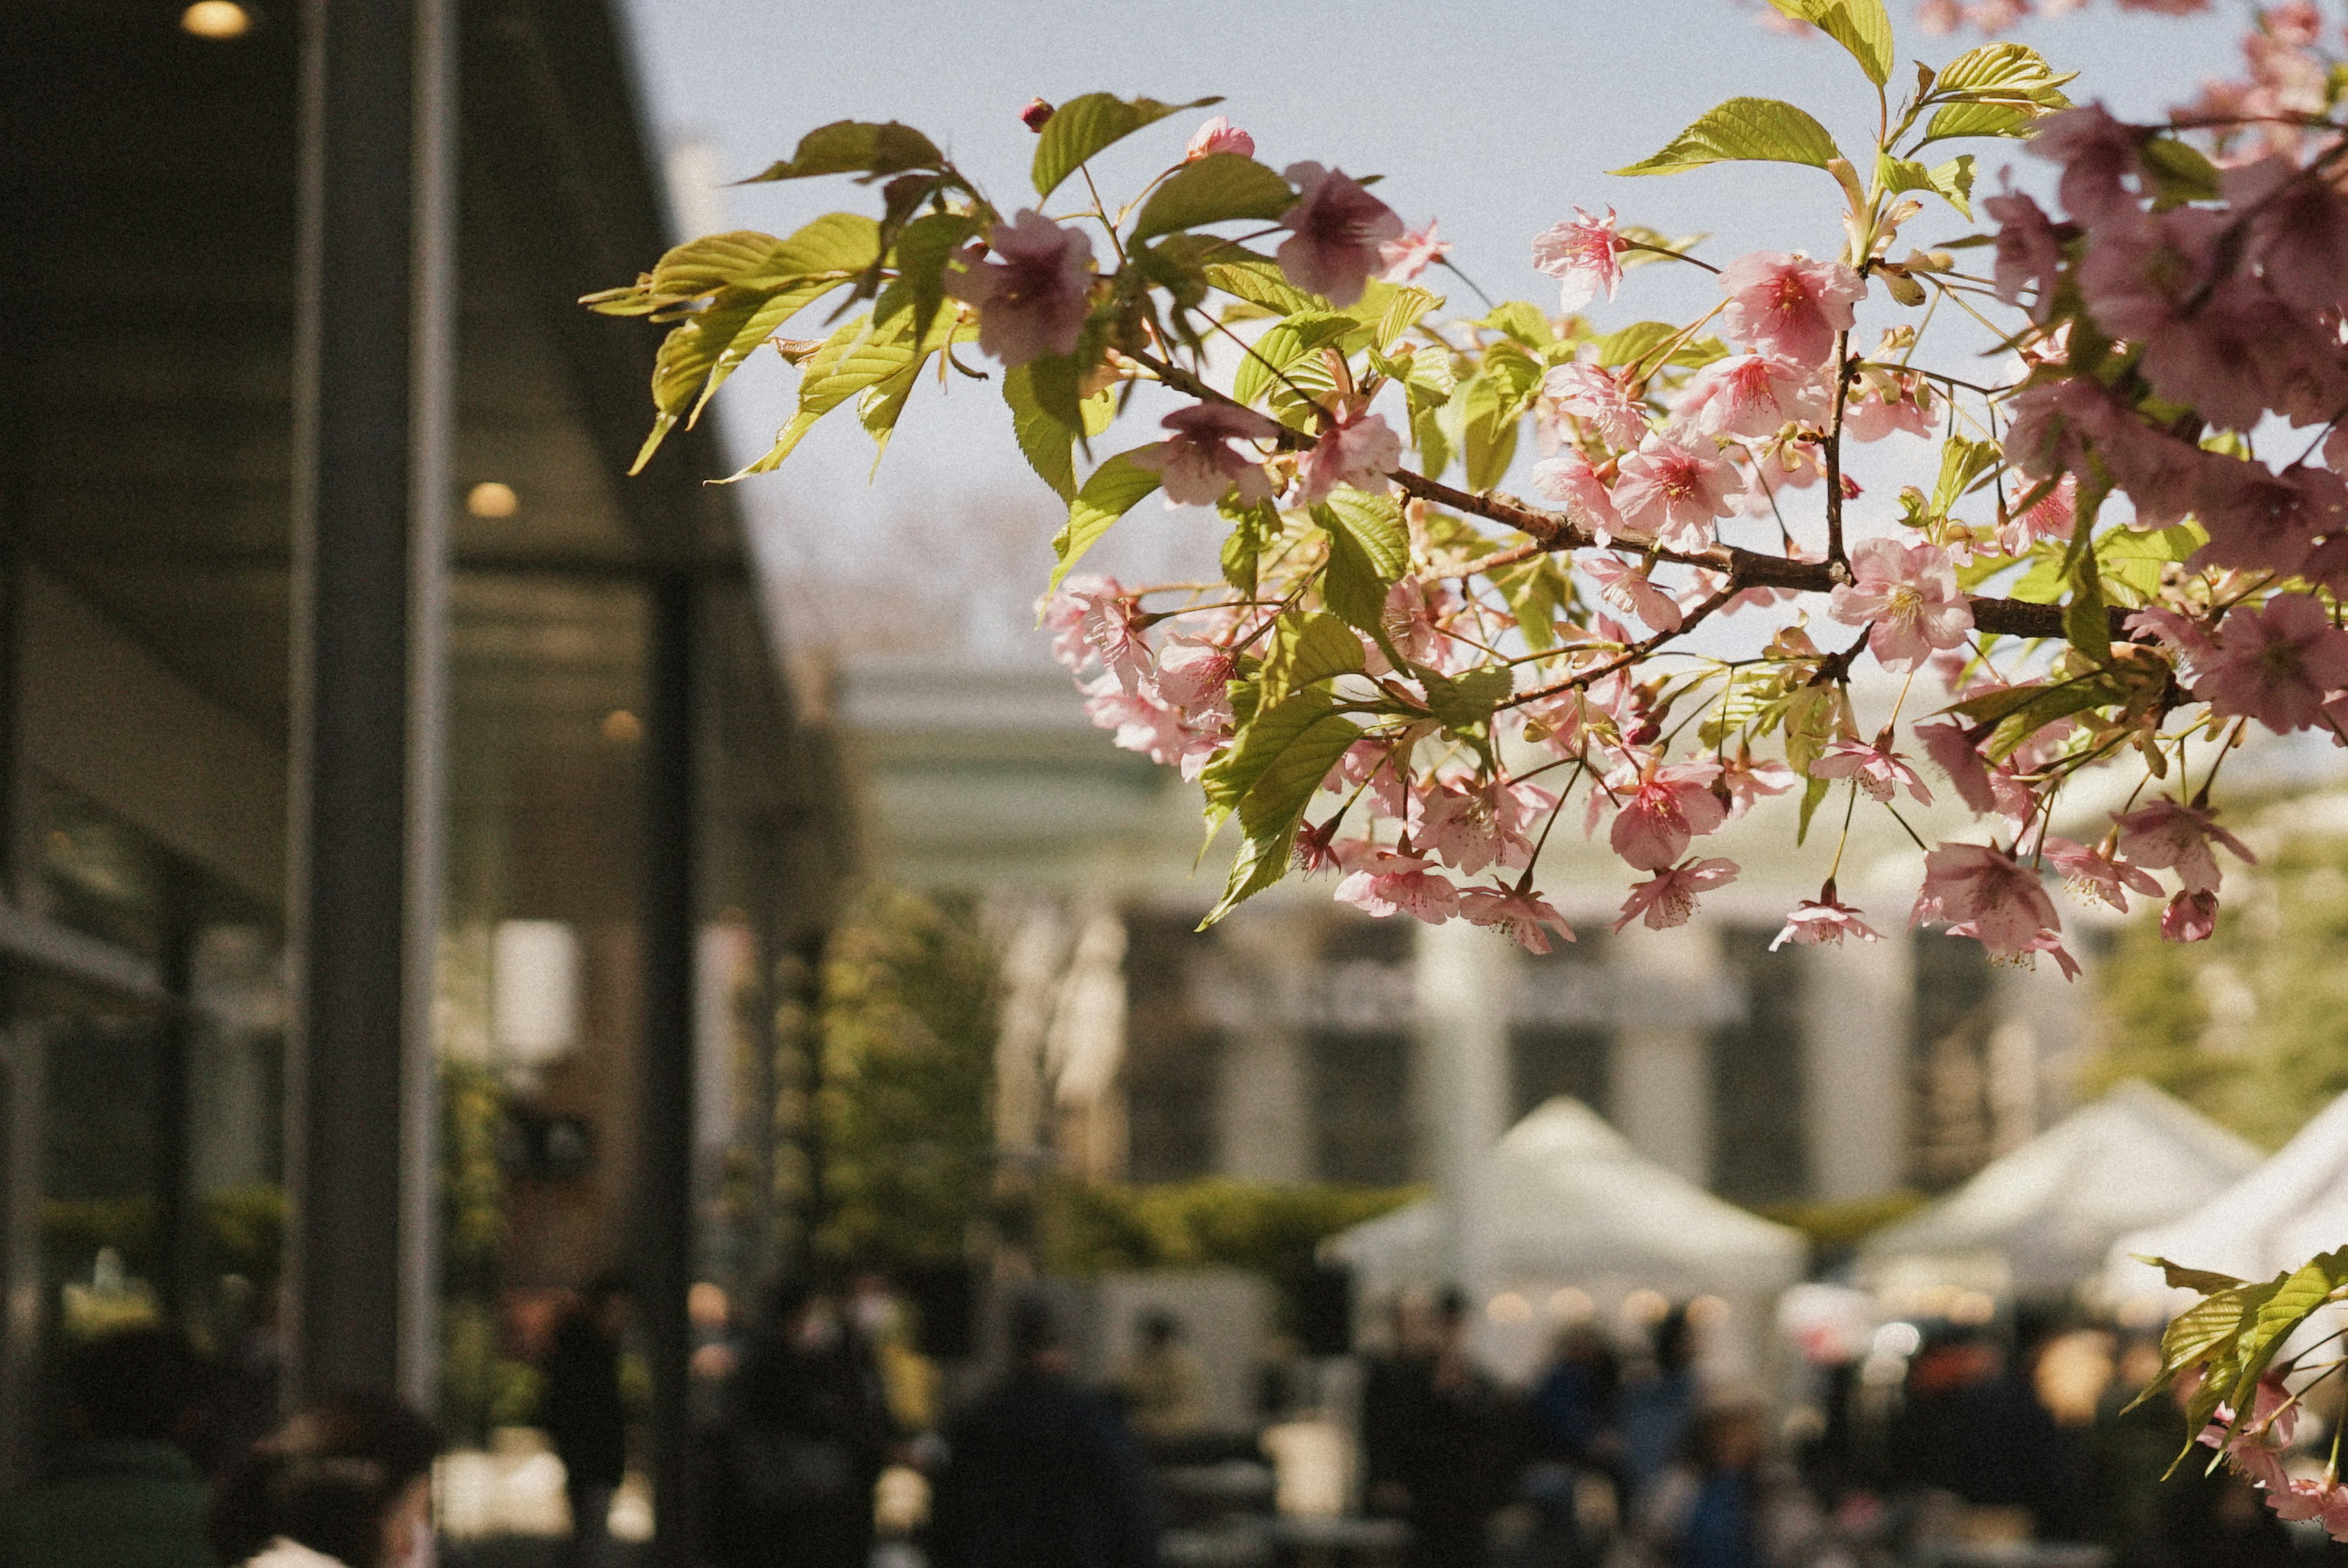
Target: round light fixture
622	728
491	499
216	19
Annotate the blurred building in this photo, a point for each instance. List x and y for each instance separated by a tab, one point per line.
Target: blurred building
152	579
1303	1041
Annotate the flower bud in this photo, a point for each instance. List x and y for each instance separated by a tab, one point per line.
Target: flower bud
1036	115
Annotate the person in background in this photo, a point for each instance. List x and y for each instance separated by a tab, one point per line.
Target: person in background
584	1414
1575	1446
124	1491
1042	1473
1658	1403
347	1483
1394	1392
1708	1512
811	1434
1162	1384
1461	1466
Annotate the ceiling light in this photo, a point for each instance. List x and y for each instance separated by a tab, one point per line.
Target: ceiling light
491	499
622	728
216	19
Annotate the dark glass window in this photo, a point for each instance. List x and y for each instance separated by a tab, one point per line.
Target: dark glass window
1760	1153
1361	1105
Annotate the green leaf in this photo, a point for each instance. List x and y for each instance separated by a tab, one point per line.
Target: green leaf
1952	181
856	146
1259	281
923	250
1813	792
1636	342
855	357
1281	346
1861	26
1962	461
1369	549
1082	125
2012	73
1390	311
1253	527
1216	188
1963	120
2176	1276
1308	646
1745	130
1464	701
1269	776
1536	592
1048	445
1523	321
1228	779
2180	173
1113	490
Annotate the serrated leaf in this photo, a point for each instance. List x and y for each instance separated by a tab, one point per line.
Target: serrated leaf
1966	119
1268	777
1308	646
1745	130
1082	125
1813	792
1861	26
1280	347
1626	346
856	146
1048	445
2180	171
1464	701
2177	1276
2004	69
923	248
1369	549
1252	528
1275	726
1217	188
1115	488
1962	461
1525	323
1259	281
855	357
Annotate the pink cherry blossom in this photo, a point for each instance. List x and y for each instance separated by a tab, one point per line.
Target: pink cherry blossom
1388	882
1198	465
2051	516
1668	898
1472	825
1907	596
2028	252
2300	234
1675	486
1313	851
2186	642
1337	230
1109	619
2154	279
2277	664
2166	835
1523	913
1751	395
1879	410
2263	520
1629	589
1145	725
1664	806
1360	452
1877	771
2097	154
1195	677
1584	253
1789	306
1826	919
1955	756
1569	478
1982	890
2190	918
1598	396
1412	254
1747	780
1377	764
2095	878
1034	300
1218	134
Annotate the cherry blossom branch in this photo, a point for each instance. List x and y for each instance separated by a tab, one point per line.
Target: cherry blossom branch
1554	532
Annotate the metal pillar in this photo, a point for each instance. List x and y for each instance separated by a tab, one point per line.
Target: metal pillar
373	416
664	1145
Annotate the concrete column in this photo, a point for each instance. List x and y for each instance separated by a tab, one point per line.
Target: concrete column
1666	987
1856	1066
1263	1089
1466	974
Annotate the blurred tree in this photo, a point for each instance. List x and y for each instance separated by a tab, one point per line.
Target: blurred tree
907	1043
2244	1027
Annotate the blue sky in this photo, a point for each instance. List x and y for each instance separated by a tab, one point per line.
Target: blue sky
1497	116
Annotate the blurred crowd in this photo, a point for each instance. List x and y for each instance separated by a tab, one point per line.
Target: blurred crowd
828	1441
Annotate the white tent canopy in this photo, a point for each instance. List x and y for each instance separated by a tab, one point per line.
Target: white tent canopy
2277	1216
1564	1200
2039	1220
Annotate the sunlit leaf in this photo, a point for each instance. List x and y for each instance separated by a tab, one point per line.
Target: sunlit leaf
1765	131
1113	490
1084	125
1216	188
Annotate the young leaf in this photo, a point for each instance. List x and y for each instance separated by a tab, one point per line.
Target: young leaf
1082	125
1745	130
921	253
1113	490
1308	646
857	356
1369	549
1814	791
856	146
1465	701
1282	346
1259	281
1216	188
1048	446
1275	726
1861	26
